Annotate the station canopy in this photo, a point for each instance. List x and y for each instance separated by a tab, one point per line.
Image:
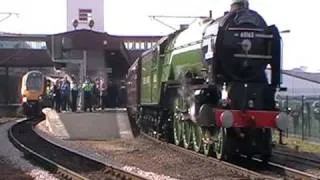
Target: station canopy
85	39
20	50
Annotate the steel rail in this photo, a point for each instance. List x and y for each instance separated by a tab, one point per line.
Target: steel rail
290	172
315	162
64	172
109	172
228	166
114	171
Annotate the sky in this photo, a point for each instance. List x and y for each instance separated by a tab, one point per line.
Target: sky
128	17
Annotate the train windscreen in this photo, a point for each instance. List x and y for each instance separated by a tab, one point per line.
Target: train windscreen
34	82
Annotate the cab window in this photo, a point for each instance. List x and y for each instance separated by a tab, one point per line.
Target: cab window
34	81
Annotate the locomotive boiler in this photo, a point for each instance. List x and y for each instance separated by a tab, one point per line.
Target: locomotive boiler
205	87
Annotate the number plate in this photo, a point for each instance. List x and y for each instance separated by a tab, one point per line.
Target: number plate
247	34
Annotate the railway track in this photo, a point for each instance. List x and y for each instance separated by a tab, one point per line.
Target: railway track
299	162
251	169
298	158
61	161
245	173
283	171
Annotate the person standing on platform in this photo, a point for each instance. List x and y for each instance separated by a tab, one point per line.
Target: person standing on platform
122	95
65	94
100	88
57	96
101	93
87	94
74	94
95	97
49	94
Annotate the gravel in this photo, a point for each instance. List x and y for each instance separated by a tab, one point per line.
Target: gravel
91	152
145	157
12	156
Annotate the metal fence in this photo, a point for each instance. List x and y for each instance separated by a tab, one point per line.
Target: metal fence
304	114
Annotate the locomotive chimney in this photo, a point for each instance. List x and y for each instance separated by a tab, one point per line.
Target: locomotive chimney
184	26
210	14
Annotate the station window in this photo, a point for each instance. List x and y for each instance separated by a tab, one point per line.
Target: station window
137	45
142	45
149	45
14	44
130	45
126	45
153	44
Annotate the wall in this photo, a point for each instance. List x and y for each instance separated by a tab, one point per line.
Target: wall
300	86
97	7
95	63
297	86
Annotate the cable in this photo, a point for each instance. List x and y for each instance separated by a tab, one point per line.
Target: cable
9	14
180	17
164	24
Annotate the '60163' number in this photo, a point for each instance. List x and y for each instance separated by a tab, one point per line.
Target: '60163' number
247	34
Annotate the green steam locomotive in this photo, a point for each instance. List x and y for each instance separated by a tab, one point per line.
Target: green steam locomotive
205	87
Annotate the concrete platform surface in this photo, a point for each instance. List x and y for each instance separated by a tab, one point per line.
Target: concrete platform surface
89	126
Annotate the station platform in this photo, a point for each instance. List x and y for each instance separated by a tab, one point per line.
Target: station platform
102	125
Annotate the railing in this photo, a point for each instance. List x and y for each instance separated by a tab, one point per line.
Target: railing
304	114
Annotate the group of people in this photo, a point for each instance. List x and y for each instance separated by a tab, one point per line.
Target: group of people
64	94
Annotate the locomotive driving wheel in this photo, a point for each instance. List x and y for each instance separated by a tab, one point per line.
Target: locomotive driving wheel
181	127
177	129
186	134
206	142
196	137
224	146
220	144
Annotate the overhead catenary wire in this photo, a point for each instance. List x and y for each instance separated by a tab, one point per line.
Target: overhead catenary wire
8	15
156	18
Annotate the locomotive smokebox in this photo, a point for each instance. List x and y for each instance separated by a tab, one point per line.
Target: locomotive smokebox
184	26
